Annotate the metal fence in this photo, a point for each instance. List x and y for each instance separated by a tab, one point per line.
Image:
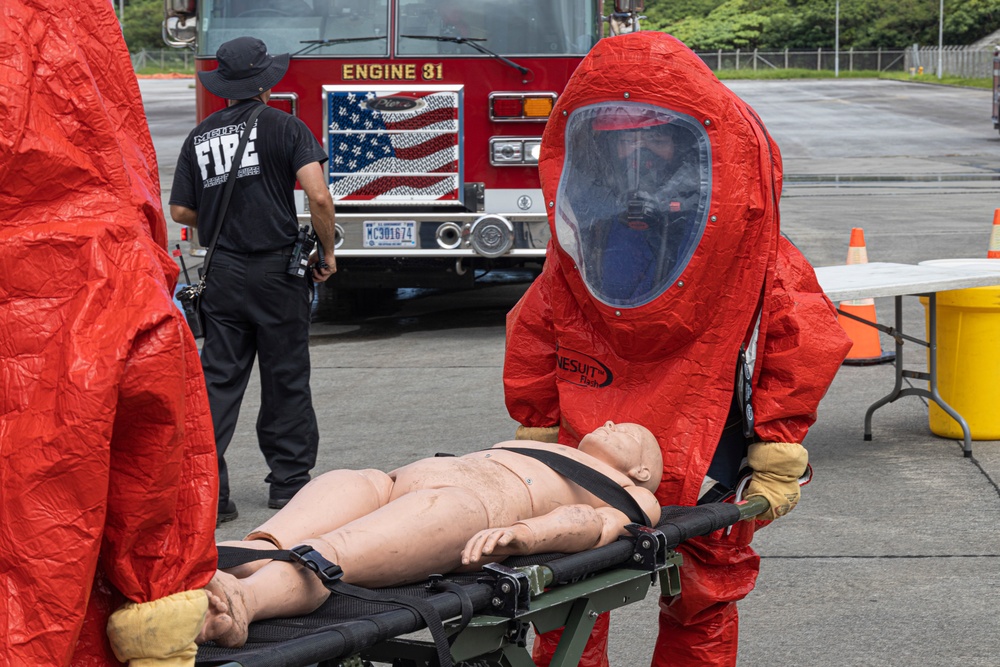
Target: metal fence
166	60
878	60
963	61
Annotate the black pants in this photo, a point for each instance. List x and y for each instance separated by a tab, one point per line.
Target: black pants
253	308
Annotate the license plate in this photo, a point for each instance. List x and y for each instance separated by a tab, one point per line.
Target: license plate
395	234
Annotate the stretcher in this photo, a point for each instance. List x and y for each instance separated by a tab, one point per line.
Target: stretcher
486	615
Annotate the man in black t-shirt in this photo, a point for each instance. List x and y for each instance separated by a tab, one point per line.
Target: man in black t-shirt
251	306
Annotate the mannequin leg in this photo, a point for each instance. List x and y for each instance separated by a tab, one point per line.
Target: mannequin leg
321	506
420	533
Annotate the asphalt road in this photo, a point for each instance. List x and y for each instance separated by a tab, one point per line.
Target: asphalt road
893	556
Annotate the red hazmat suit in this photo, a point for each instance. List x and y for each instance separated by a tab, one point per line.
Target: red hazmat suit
108	484
576	358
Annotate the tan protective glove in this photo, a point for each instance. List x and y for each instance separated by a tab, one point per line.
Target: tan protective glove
777	467
548	434
159	633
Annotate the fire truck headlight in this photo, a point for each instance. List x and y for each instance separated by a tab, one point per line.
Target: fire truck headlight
531	151
514	151
507	151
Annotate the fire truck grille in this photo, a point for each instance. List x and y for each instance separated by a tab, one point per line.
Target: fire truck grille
394	145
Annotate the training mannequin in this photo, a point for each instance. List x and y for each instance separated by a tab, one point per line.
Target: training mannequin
432	516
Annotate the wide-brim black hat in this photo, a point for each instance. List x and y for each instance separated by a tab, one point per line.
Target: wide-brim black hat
245	69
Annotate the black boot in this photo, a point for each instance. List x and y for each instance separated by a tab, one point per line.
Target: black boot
227	511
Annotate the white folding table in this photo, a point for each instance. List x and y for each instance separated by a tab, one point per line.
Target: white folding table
882	279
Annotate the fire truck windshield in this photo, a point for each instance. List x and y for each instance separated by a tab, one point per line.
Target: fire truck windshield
333	27
511	27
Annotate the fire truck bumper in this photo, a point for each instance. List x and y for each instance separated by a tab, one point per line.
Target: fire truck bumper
445	236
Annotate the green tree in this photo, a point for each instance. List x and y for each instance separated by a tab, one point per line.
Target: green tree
967	21
659	13
142	24
777	24
732	24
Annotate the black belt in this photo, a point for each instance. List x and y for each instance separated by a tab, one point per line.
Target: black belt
282	252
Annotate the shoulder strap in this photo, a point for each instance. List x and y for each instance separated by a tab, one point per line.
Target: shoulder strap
230	183
595	482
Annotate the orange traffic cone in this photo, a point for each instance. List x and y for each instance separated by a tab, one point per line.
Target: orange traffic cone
994	250
867	348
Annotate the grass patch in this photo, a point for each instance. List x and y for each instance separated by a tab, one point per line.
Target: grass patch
984	82
792	73
767	74
152	70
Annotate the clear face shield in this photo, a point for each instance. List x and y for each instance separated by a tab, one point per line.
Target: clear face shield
633	198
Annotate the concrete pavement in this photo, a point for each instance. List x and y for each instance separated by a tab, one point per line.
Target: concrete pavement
892	557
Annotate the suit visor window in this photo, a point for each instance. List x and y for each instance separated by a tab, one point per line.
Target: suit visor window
633	198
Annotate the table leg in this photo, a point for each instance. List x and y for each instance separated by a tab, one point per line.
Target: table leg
897	389
931	376
934	394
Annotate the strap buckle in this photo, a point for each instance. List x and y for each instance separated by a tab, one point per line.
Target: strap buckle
313	560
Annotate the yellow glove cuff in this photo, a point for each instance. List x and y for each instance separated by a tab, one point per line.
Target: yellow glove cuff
548	434
777	467
159	633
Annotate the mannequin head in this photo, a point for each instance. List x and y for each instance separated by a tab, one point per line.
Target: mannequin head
629	448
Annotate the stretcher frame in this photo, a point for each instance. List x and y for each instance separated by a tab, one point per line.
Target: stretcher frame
508	600
496	640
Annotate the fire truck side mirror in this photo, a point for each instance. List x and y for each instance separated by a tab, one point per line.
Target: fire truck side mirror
623	6
180	8
179	23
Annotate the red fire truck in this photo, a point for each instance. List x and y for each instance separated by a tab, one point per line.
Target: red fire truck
431	112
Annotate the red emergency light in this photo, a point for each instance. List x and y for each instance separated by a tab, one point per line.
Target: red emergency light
517	106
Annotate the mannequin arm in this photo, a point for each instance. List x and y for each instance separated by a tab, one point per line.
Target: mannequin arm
566	529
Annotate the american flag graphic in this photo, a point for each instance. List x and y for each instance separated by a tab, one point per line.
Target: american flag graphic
379	156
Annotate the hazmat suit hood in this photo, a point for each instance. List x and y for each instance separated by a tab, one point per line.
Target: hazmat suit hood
665	274
663	188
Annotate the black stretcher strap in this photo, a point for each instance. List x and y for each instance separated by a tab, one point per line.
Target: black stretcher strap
439	583
330	574
596	483
230	557
426	611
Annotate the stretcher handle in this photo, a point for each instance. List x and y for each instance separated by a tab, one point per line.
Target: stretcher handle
753	506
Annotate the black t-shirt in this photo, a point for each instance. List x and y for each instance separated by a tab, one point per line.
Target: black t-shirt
261	213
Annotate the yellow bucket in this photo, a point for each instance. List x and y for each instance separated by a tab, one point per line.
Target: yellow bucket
968	354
